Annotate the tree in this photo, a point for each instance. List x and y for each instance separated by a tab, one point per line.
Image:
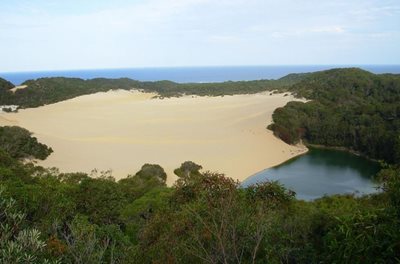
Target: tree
210	219
19	143
188	170
149	177
152	171
18	244
84	245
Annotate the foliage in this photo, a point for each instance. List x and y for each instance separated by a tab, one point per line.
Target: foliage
51	90
390	176
349	108
149	177
5	93
101	199
149	171
5	85
136	214
18	244
205	217
89	243
19	143
215	221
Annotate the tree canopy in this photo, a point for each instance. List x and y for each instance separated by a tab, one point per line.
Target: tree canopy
348	108
19	143
51	90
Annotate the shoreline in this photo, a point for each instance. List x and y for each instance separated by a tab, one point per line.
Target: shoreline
344	149
122	130
304	151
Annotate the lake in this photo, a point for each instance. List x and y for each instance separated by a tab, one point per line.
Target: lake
323	172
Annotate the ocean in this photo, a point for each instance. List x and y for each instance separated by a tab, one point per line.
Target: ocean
192	74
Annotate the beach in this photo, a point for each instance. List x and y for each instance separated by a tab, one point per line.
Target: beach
122	130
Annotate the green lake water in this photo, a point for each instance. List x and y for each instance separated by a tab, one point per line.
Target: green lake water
323	172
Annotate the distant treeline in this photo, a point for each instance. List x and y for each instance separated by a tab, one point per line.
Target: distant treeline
349	108
51	90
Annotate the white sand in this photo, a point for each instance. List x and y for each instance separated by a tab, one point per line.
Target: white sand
16	88
122	130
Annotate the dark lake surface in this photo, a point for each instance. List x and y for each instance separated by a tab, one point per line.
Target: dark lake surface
323	172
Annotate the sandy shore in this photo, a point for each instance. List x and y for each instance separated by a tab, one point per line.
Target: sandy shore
122	130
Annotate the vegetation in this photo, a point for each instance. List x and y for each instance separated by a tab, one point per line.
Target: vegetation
349	108
51	90
5	92
18	245
52	217
5	85
19	144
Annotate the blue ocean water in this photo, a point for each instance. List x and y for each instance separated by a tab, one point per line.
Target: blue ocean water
192	74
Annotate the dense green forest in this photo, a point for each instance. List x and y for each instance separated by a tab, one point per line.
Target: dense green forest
19	144
349	108
51	217
51	90
5	85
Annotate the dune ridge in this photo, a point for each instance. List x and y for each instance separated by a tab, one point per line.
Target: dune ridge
122	130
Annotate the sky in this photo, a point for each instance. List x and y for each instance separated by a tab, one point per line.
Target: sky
40	35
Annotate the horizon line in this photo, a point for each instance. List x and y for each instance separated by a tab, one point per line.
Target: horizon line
198	66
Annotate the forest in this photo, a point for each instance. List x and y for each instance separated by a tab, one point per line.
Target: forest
348	108
51	90
47	216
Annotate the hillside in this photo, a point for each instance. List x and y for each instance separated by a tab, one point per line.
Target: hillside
5	92
349	108
5	85
51	90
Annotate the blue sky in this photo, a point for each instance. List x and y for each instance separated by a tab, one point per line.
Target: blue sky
75	34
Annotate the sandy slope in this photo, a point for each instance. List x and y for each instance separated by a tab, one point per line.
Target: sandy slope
122	130
20	87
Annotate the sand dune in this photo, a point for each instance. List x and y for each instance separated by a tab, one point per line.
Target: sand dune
20	87
122	130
